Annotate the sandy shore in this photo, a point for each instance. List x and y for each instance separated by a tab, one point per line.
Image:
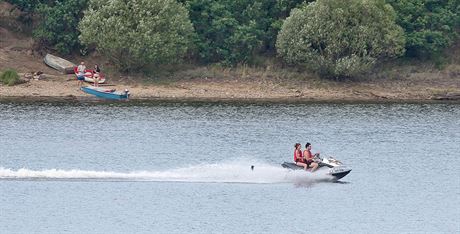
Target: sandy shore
395	83
65	87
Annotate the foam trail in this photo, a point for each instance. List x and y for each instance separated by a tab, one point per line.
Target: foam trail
212	173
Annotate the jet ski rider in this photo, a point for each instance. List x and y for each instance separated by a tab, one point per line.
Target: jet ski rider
308	158
298	158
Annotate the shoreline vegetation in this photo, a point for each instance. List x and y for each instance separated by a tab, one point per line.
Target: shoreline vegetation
394	83
398	82
267	80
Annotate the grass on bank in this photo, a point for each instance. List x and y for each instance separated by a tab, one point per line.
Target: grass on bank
404	72
270	69
9	77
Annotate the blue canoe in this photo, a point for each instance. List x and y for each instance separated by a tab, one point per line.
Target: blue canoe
106	93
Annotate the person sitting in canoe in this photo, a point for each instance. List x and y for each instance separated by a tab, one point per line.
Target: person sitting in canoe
308	157
298	158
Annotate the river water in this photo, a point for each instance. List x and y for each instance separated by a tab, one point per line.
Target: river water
153	167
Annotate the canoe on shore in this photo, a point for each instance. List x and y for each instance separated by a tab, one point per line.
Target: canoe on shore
89	75
106	93
59	64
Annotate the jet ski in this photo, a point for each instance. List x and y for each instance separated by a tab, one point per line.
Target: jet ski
335	167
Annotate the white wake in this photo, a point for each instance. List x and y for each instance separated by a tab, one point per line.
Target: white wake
209	173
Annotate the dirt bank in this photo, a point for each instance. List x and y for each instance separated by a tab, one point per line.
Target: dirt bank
242	89
394	84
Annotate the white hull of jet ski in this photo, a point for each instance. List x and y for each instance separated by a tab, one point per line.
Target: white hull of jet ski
336	168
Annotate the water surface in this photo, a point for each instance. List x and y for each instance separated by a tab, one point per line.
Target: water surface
185	168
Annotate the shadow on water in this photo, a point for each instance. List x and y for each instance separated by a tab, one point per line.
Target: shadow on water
341	182
312	183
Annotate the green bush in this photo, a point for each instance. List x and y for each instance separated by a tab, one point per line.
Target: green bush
57	22
429	26
9	77
339	38
26	5
58	25
235	31
136	33
27	8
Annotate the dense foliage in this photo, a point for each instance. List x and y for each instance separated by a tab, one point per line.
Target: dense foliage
27	8
27	5
241	31
9	77
58	21
430	25
138	32
58	27
340	38
233	31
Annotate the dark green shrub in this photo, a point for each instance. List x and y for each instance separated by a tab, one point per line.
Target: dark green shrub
138	33
26	5
9	77
58	25
429	26
236	31
339	38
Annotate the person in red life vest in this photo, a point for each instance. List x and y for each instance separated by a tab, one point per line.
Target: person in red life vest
308	157
298	158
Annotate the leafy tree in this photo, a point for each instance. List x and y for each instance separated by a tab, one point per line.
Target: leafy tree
137	32
58	26
429	25
27	8
26	5
276	12
340	38
233	31
224	30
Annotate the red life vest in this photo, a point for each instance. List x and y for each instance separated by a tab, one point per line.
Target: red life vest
309	156
298	158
